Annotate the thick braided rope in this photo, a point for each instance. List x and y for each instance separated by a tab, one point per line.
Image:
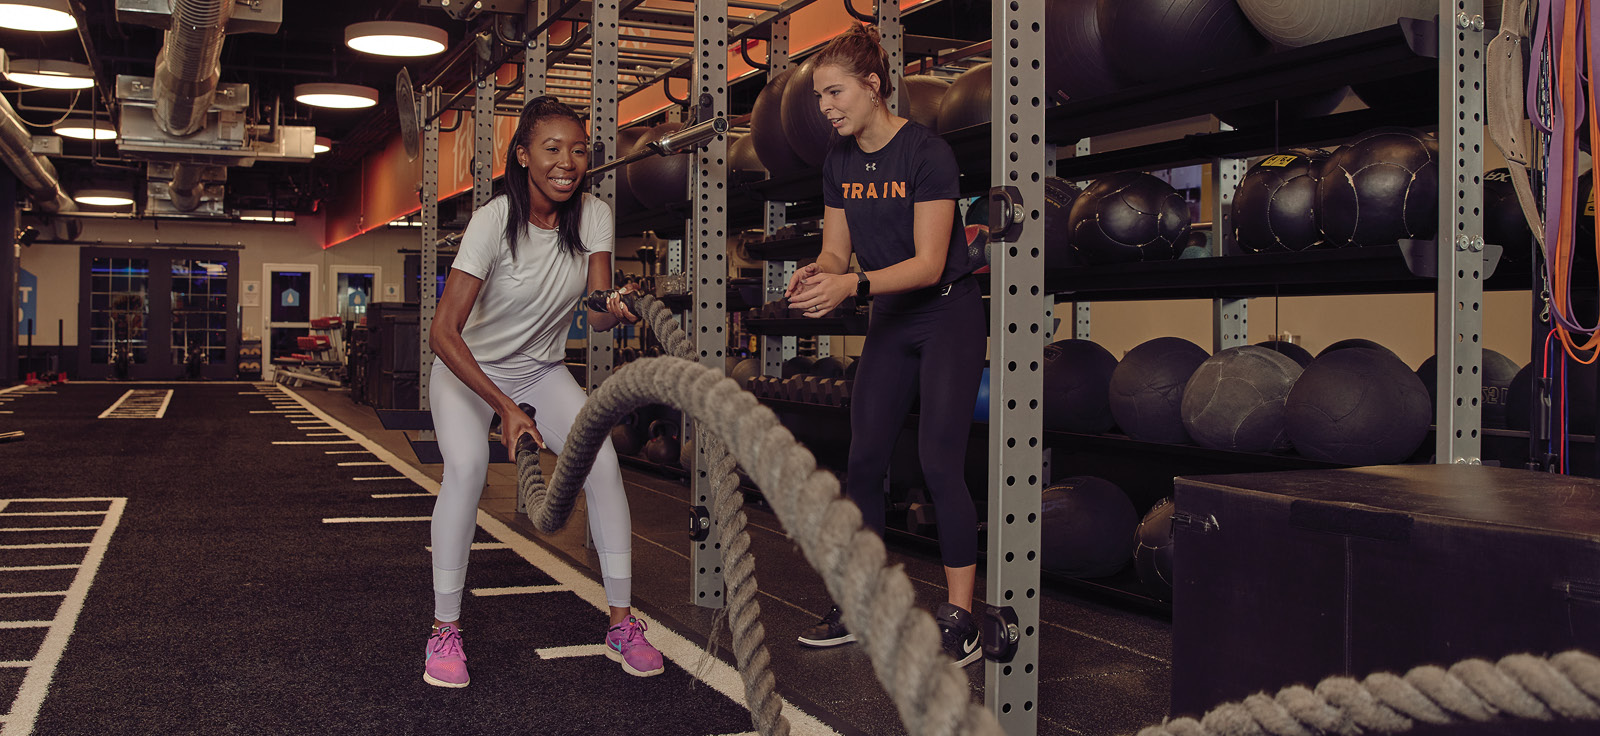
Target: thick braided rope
1521	686
878	603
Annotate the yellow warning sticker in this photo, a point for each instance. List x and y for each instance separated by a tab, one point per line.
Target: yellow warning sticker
1280	160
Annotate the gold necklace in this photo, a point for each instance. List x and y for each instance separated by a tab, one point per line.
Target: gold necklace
534	218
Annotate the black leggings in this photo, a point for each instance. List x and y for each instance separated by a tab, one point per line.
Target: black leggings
937	350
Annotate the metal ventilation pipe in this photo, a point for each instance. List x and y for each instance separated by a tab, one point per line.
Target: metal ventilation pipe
189	64
35	172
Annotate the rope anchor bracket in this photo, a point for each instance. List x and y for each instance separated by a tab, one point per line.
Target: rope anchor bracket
1001	632
699	523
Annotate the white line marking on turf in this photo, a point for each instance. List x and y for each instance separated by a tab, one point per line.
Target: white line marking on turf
477	546
52	513
51	545
18	387
356	463
718	674
20	568
24	624
18	662
400	495
307	421
36	683
381	477
347	452
275	411
315	442
580	650
521	590
36	594
373	519
47	528
327	434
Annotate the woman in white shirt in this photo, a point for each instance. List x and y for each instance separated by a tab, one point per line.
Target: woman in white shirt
499	337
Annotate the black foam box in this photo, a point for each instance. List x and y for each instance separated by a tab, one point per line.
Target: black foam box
1288	577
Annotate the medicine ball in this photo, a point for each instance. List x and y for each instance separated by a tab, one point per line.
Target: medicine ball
1147	389
627	142
1130	216
1359	407
966	103
1274	206
829	367
659	180
1077	387
799	365
1357	342
1379	188
766	128
1296	23
1086	523
745	370
1058	197
1295	352
1503	222
1234	400
920	98
628	438
1148	40
1076	66
1152	550
1498	372
808	130
742	154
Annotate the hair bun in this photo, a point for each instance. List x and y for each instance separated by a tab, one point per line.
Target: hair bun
872	32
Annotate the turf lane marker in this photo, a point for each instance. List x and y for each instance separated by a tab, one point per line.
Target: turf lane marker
578	650
373	519
24	624
401	495
20	568
363	462
477	546
314	442
346	452
52	513
47	545
717	674
47	528
35	594
15	663
275	411
36	683
325	434
381	477
10	389
523	590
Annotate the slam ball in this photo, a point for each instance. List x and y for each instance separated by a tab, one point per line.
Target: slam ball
1152	550
1059	195
966	103
1148	40
766	130
1274	206
1298	354
1234	400
1503	222
1077	387
1130	216
1498	372
1085	529
1358	407
1379	188
1356	342
1147	389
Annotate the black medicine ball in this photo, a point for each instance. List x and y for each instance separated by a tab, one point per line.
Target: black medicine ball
1359	407
1077	386
1274	207
1059	194
1147	388
1129	216
1381	187
1503	223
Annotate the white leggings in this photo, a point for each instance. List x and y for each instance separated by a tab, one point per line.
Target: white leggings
461	422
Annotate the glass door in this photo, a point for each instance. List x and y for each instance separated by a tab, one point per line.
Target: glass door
291	300
354	287
156	314
119	317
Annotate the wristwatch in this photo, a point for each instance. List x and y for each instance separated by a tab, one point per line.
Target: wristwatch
863	286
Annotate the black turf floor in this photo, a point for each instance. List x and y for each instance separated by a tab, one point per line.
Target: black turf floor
225	604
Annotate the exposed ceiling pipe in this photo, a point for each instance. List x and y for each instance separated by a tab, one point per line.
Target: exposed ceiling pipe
188	69
35	172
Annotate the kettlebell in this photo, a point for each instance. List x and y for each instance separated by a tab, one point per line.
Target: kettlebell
627	438
662	449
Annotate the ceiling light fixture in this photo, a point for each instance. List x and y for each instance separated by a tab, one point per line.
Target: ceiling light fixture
395	38
322	145
336	95
36	15
49	73
86	130
282	216
103	197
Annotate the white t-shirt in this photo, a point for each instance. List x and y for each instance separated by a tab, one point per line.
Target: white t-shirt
525	305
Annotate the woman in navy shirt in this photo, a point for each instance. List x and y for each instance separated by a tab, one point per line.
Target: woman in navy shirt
889	189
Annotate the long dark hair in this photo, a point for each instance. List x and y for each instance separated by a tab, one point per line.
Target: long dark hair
569	213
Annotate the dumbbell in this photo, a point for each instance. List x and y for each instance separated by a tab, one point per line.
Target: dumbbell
794	388
919	514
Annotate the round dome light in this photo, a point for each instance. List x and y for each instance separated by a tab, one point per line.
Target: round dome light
36	15
395	38
322	145
336	95
103	197
50	74
86	130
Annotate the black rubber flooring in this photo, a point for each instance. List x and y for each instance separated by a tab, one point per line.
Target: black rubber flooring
223	601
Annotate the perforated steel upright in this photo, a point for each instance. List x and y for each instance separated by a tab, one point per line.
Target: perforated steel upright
535	61
708	237
1230	318
427	297
1458	311
776	274
1016	343
603	35
483	133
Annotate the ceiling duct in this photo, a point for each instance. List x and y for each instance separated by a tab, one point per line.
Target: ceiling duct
35	172
184	115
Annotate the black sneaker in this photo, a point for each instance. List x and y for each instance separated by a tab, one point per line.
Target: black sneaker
829	632
960	633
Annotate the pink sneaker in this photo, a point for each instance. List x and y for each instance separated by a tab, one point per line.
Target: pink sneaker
447	662
625	643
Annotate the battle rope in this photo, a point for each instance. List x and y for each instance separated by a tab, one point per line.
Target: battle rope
902	640
1521	686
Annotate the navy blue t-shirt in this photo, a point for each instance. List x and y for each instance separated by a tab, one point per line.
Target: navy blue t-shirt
879	191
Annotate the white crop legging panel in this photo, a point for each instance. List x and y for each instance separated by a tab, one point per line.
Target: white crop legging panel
461	421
